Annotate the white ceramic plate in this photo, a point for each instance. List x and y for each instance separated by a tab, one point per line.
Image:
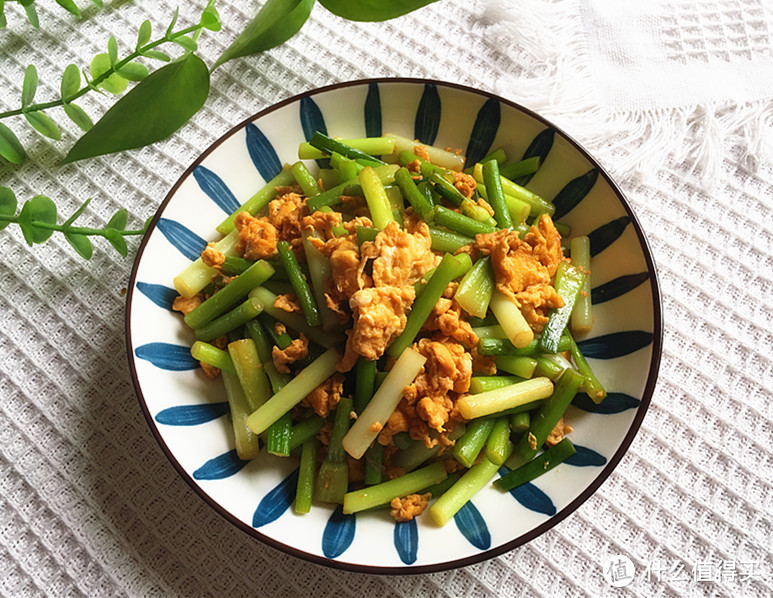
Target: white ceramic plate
187	413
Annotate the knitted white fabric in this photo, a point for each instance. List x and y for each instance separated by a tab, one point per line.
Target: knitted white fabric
674	80
89	506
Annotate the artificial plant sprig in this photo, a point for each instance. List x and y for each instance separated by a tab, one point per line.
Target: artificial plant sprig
38	221
32	13
107	72
159	104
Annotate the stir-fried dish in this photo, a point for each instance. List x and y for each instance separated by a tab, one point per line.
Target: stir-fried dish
400	325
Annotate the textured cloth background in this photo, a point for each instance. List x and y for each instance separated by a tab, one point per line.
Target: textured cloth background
89	506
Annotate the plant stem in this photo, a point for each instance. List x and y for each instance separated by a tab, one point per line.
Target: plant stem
97	80
78	230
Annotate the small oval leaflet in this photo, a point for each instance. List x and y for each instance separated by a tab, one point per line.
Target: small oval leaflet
30	86
71	81
101	64
7	205
10	146
78	116
144	33
43	124
40	209
81	244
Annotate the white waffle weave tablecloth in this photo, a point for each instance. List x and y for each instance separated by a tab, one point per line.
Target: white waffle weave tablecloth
672	96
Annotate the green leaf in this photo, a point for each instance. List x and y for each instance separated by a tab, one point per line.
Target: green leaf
100	65
144	33
38	209
32	15
81	244
10	146
186	42
156	55
153	110
43	124
276	22
71	81
8	205
134	71
173	22
30	86
112	50
373	10
78	116
3	21
117	241
119	220
69	6
98	3
210	19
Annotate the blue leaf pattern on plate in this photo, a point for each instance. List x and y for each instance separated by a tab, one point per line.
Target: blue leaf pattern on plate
158	294
167	356
277	501
262	153
192	415
540	147
311	118
586	457
471	524
220	467
533	499
373	111
573	193
216	189
427	120
615	402
184	240
483	131
338	534
616	344
617	287
406	538
605	235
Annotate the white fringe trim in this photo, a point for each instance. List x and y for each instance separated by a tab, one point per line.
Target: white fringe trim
553	75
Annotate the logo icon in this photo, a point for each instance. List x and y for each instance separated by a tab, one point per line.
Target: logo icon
618	570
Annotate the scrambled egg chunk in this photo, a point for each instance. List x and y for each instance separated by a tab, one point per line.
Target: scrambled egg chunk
185	305
399	257
297	349
347	272
560	430
325	397
212	257
446	317
413	505
428	409
379	302
465	183
322	222
286	213
257	237
524	268
379	317
288	302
